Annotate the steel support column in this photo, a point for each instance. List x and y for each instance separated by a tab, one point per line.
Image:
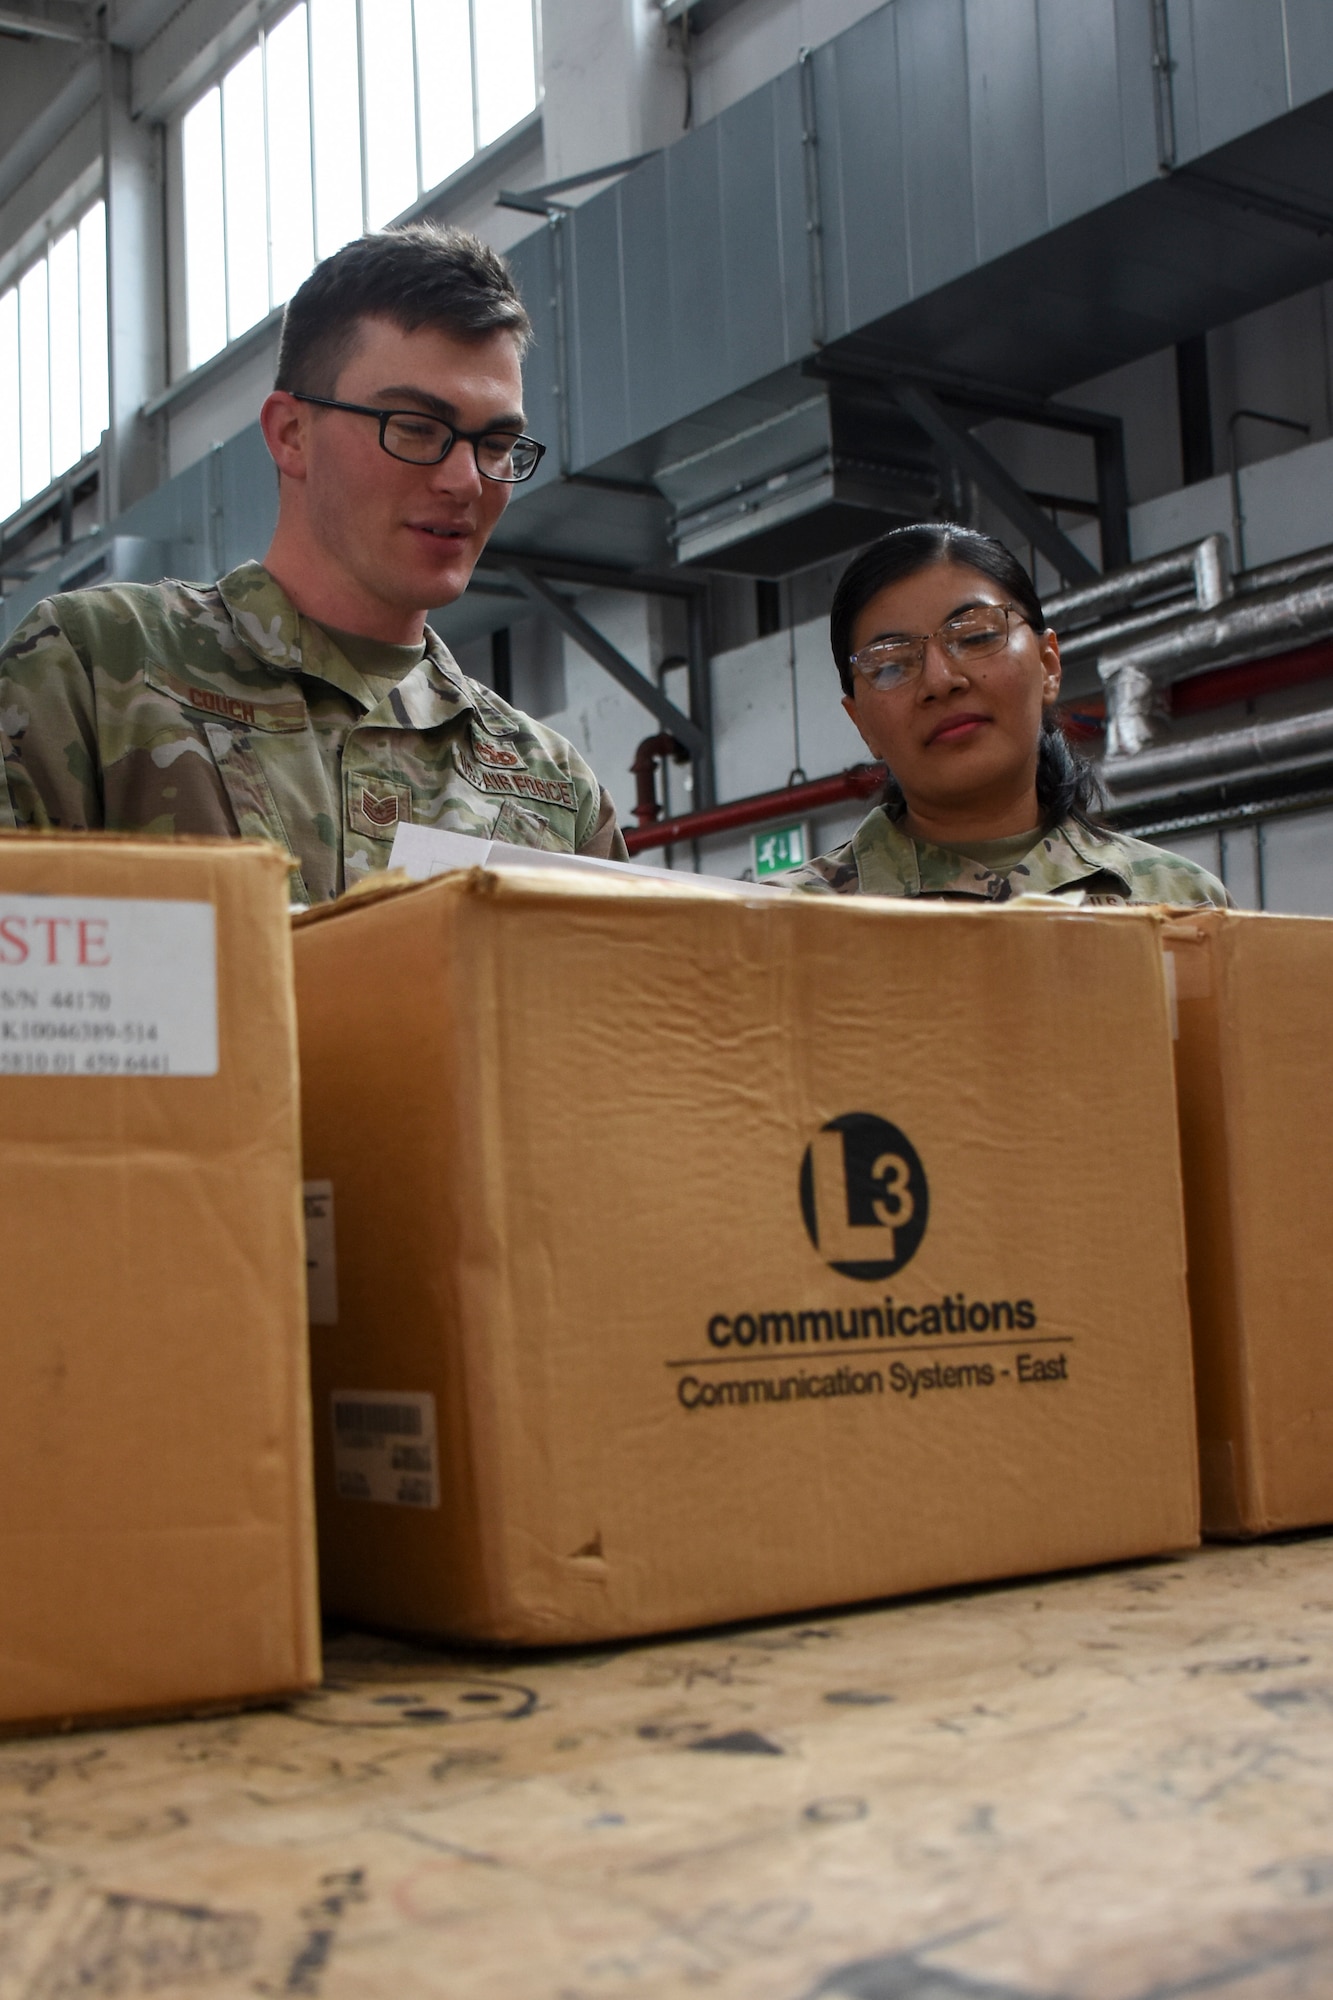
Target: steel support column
700	677
598	647
1112	494
136	318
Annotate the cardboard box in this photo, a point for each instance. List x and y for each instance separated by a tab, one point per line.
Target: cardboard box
1256	1118
156	1538
700	1258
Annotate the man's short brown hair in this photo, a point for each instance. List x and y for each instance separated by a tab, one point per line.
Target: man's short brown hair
422	274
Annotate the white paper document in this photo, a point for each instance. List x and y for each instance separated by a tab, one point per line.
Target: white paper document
424	851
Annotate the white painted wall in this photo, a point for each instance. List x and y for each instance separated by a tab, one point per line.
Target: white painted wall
1282	864
614	84
1186	515
1296	854
1287	503
619	81
1286	508
776	707
1143	395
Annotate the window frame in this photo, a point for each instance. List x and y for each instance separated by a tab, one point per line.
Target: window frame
64	218
270	18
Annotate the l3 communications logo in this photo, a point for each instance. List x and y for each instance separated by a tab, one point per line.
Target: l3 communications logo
864	1196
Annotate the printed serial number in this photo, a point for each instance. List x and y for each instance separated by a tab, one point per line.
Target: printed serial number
78	1031
107	1062
26	999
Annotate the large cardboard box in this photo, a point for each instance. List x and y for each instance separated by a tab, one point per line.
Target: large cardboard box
682	1258
1256	1117
156	1537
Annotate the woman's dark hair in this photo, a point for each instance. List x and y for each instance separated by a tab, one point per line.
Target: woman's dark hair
1067	785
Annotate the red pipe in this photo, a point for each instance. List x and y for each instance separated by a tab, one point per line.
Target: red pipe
1220	685
857	783
1223	684
647	807
1084	718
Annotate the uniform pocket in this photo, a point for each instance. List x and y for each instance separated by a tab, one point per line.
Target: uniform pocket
249	791
522	827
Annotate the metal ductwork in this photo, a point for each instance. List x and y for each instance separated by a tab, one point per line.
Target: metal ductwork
799	487
935	193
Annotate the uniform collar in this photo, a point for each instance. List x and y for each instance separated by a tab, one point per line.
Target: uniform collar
1099	854
890	863
270	627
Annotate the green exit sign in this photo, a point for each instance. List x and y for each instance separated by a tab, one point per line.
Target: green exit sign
780	848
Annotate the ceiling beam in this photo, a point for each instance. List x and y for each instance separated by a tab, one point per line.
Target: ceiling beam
972	458
70	26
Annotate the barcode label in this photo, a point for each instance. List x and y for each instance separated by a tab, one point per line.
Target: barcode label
384	1447
402	1419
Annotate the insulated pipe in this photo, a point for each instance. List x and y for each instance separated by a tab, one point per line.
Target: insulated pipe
1090	642
860	782
1297	738
1279	575
1247	628
1205	564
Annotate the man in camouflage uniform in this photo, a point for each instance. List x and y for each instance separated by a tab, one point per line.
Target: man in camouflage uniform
305	700
881	859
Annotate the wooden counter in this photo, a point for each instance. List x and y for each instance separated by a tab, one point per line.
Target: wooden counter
1107	1786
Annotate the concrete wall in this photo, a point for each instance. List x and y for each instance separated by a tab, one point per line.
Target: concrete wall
1286	507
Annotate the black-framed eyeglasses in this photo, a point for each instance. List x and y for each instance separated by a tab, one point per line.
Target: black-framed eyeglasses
507	456
973	635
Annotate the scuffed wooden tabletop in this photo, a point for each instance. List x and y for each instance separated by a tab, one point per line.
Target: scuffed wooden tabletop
1107	1787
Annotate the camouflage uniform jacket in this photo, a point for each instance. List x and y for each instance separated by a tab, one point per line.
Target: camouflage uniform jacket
882	860
179	709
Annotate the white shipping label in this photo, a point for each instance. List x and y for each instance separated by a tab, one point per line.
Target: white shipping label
384	1447
321	1260
107	986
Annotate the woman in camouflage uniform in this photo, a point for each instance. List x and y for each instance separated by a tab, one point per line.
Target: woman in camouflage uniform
951	675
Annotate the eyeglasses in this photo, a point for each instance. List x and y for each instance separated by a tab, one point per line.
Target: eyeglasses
507	456
972	635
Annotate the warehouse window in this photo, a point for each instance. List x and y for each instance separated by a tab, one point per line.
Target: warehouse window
53	362
325	128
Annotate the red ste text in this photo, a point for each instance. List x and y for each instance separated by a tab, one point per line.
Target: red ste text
69	942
